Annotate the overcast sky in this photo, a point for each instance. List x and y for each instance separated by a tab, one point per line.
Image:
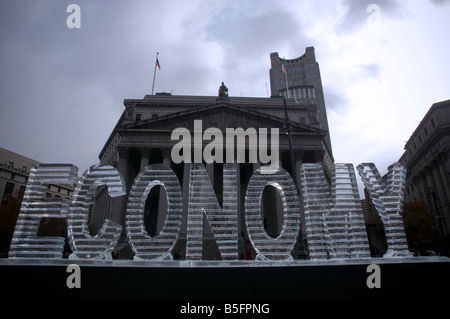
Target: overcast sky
62	89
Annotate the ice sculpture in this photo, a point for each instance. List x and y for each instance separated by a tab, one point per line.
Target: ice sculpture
37	208
82	243
387	197
334	220
223	221
159	246
265	246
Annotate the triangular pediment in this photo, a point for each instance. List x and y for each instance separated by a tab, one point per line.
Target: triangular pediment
222	116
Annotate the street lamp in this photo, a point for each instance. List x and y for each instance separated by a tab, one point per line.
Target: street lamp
287	127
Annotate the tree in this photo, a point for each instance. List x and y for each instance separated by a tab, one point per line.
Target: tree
418	222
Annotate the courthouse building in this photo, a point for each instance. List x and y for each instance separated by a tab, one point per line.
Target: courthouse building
142	136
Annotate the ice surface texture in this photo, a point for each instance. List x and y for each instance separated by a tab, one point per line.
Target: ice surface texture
387	196
223	221
37	208
159	246
82	243
334	220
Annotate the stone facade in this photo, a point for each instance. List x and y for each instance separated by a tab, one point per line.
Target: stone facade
426	157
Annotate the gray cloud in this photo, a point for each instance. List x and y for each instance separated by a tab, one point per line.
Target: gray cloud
440	2
335	100
371	71
250	35
247	34
61	90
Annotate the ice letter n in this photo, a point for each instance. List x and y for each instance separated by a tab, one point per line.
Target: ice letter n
223	221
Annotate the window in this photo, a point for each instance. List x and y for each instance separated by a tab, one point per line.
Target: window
138	117
21	192
426	131
7	194
432	122
154	116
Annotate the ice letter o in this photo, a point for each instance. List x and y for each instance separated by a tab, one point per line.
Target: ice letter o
159	246
83	244
265	246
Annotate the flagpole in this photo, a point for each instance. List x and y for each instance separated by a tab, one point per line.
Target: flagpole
285	76
154	73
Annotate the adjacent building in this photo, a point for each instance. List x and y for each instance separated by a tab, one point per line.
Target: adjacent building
14	171
426	157
299	80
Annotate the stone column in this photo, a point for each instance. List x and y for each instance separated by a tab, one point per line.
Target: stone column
445	182
431	184
119	205
440	190
422	191
444	176
430	178
416	192
166	156
145	158
433	202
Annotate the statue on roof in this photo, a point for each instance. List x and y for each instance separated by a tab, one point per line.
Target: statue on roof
223	92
